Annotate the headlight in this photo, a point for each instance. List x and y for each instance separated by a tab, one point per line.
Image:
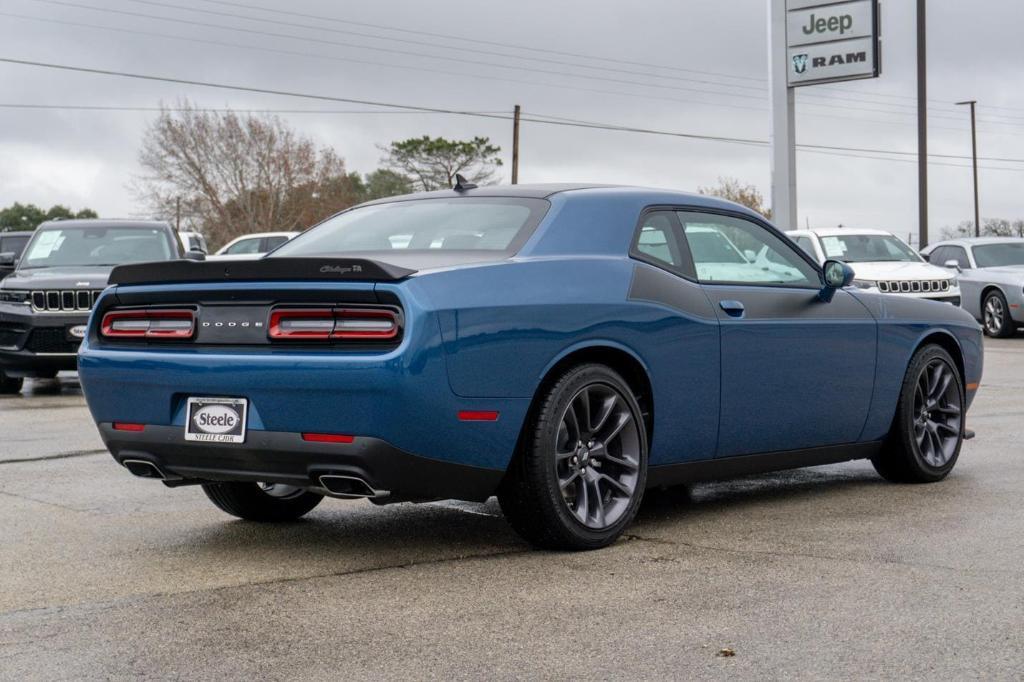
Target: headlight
13	296
865	284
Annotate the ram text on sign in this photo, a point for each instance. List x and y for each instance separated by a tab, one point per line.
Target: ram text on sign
830	22
831	61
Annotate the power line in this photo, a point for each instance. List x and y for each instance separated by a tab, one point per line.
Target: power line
223	110
477	41
559	62
387	50
221	43
505	117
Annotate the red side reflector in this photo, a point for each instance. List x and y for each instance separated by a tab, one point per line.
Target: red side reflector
478	416
125	426
327	438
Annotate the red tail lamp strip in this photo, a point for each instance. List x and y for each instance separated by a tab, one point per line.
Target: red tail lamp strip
149	323
323	324
327	438
478	416
127	426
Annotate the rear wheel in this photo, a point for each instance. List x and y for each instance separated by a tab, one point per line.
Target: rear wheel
262	501
929	426
996	316
579	478
9	385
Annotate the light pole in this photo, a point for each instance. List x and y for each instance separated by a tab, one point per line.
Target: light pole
974	161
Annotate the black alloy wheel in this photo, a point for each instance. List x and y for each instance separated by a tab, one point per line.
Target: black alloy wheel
580	474
928	429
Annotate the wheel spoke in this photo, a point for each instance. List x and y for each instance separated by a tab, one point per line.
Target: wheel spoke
566	482
616	427
572	425
618	485
951	410
621	461
607	408
946	427
583	402
597	501
945	378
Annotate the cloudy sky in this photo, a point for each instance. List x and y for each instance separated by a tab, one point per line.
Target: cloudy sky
688	66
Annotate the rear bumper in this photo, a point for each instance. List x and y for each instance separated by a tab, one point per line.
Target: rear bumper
283	457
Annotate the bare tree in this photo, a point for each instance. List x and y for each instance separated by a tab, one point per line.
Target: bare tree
235	174
746	195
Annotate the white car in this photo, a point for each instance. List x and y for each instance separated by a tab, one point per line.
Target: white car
883	262
252	245
193	241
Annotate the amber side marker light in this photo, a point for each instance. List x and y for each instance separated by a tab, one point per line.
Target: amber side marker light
973	387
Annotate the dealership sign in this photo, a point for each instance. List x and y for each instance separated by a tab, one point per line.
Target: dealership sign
831	41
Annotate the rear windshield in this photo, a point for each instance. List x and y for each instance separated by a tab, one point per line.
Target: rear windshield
84	246
424	225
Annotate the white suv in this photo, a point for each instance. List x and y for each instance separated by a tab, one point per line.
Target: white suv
883	262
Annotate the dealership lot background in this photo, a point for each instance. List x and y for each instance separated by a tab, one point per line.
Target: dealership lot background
810	573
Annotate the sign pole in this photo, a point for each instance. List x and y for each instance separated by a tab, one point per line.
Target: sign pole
783	127
922	128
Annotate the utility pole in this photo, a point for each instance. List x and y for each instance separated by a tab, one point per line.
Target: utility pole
177	214
783	130
515	146
974	162
922	128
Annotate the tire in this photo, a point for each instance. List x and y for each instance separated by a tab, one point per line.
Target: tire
995	316
10	385
599	500
928	429
258	502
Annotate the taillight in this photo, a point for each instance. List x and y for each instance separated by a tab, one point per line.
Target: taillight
324	324
149	323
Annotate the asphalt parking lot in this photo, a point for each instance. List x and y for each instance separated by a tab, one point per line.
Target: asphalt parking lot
825	572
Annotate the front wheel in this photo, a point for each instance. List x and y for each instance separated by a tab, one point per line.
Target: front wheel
996	316
580	475
928	429
262	501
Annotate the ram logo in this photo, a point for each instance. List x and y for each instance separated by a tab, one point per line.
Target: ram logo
800	63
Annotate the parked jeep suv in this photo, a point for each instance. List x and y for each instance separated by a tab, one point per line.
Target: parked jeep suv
45	302
11	246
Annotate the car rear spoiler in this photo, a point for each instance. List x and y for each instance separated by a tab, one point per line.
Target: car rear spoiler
259	270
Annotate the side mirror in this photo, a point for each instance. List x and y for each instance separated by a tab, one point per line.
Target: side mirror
952	265
837	275
195	255
8	259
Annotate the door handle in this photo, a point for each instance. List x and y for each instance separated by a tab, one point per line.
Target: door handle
732	308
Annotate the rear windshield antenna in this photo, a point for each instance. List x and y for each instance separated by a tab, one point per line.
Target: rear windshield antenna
462	184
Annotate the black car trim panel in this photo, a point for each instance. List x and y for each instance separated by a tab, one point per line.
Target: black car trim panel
259	270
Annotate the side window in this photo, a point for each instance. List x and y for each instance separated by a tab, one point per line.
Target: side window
959	254
244	246
658	241
737	251
273	242
805	244
939	255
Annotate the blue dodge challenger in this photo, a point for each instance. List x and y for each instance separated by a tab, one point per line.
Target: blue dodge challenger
564	347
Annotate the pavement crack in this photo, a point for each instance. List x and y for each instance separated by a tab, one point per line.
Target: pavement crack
807	555
62	455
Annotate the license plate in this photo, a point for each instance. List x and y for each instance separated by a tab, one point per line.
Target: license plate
216	420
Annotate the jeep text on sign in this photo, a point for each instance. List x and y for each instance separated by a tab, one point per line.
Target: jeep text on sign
830	22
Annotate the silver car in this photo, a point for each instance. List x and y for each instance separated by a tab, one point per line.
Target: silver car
991	278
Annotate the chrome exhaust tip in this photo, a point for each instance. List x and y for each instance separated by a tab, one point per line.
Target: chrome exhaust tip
351	487
143	469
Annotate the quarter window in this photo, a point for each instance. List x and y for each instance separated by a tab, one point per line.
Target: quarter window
737	251
659	242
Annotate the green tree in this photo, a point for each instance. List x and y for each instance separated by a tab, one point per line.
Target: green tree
432	162
745	195
383	183
19	216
